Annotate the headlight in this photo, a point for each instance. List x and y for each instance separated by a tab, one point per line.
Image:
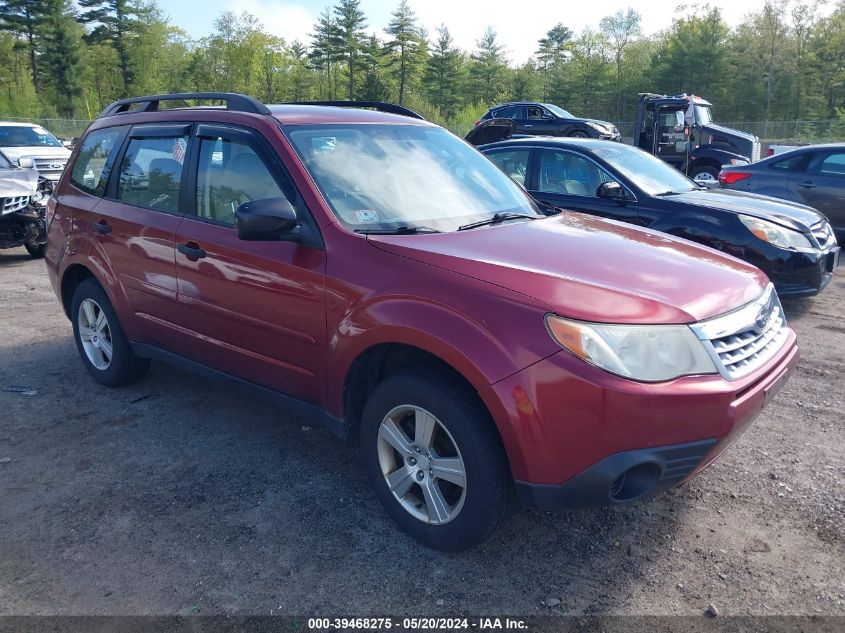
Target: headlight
775	234
598	127
648	353
39	198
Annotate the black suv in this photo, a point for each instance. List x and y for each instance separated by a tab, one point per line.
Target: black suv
547	119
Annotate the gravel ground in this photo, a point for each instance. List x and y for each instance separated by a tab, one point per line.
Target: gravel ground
175	496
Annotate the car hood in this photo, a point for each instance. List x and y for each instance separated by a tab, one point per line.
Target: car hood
786	213
728	131
18	182
591	269
41	151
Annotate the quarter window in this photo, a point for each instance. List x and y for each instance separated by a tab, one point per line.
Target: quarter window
91	169
151	172
508	112
513	162
568	173
230	174
788	164
828	165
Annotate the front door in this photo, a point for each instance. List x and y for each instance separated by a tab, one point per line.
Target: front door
571	181
253	309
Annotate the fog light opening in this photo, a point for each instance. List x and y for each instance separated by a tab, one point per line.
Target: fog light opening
634	482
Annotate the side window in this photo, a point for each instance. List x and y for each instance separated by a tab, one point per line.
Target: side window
568	173
229	174
828	165
536	112
514	162
509	112
89	171
151	172
787	164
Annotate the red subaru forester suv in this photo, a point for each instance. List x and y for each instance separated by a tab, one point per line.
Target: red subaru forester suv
374	271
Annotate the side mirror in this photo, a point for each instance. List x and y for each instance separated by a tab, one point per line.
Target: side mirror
612	190
268	219
26	162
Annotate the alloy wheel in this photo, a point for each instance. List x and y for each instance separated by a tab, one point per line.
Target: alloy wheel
422	464
95	334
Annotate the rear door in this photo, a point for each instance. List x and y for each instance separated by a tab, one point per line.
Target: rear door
822	186
253	309
136	226
571	180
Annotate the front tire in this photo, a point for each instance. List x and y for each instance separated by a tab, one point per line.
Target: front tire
704	173
579	134
102	345
36	251
434	459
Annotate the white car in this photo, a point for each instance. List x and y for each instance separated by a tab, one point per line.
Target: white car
30	145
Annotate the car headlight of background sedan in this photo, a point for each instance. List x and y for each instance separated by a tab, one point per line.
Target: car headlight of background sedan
647	353
598	127
775	234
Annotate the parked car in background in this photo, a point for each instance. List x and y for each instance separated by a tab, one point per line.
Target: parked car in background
791	243
23	200
813	175
35	146
547	119
774	150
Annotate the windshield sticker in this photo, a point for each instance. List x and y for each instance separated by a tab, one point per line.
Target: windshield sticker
366	216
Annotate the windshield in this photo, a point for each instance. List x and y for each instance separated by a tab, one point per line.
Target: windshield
384	177
647	172
24	136
559	111
703	116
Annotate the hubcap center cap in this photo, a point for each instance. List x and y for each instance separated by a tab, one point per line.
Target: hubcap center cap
422	462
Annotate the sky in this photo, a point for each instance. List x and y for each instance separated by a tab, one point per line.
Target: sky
518	25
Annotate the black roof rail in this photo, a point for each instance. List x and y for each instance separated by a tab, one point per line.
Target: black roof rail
233	100
381	106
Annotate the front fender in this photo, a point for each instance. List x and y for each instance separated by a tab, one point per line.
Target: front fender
707	153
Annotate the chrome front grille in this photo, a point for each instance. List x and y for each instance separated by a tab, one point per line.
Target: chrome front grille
50	167
744	340
823	233
16	203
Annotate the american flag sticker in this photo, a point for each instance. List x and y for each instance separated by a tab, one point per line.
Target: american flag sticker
179	150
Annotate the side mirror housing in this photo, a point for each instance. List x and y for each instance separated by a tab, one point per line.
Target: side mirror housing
26	162
268	219
612	190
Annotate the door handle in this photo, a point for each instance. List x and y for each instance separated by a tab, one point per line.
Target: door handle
528	125
191	250
102	227
807	185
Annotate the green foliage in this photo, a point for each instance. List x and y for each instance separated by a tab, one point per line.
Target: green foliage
783	65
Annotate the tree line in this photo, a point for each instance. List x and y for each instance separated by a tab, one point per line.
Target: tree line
785	62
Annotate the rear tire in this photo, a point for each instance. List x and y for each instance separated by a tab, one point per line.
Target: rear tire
102	345
425	496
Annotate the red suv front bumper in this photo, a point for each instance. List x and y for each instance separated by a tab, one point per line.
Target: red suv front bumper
578	436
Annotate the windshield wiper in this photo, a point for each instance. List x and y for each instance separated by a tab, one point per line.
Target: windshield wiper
401	230
498	218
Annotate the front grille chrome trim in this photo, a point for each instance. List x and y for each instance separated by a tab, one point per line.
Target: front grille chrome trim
743	341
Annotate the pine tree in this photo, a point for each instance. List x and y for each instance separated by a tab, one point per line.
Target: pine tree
442	76
351	23
116	22
552	50
374	87
408	44
325	49
63	58
490	68
23	18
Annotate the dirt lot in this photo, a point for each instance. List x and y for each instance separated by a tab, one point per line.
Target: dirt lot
175	496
